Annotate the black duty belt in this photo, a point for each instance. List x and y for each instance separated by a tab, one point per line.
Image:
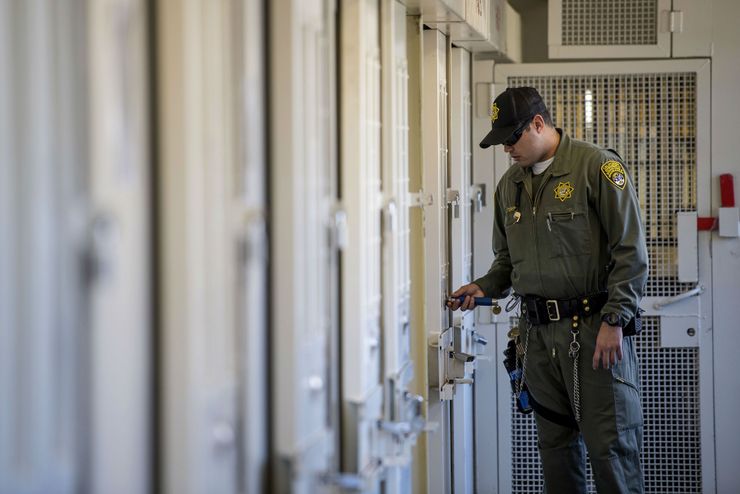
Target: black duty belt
539	310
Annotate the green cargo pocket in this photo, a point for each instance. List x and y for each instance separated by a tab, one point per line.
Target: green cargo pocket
570	231
627	407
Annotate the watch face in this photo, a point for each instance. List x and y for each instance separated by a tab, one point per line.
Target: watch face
612	319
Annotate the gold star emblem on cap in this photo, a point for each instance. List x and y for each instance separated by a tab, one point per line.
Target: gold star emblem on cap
564	190
494	112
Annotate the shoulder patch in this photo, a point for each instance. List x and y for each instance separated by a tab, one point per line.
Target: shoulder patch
614	173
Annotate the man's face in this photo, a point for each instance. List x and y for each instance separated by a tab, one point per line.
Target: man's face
527	150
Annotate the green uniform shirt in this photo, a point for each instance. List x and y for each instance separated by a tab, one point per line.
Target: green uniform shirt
578	234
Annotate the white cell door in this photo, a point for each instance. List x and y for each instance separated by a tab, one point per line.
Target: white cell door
487	368
306	227
120	311
44	197
459	214
361	269
402	409
436	267
252	279
204	229
655	114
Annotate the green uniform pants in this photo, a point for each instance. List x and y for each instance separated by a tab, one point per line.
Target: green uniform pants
611	423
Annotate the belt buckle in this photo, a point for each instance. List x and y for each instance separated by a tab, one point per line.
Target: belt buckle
550	304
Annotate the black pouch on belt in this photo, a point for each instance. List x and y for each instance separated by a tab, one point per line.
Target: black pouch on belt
634	327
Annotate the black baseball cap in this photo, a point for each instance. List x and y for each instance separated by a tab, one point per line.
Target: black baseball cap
510	110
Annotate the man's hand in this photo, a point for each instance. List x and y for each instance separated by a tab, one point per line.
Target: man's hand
608	346
469	291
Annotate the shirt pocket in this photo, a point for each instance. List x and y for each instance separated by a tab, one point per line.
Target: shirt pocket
516	236
570	231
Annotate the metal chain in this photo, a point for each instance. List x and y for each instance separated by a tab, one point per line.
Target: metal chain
520	384
573	353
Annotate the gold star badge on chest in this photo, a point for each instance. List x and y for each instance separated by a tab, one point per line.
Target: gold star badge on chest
564	190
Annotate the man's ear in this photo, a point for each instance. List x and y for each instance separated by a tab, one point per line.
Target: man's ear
539	123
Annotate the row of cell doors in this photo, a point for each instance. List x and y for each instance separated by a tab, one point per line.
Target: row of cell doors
228	232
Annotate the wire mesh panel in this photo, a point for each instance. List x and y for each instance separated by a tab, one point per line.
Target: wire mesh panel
669	381
650	120
606	22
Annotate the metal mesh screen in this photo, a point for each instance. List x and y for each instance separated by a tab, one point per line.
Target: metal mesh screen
671	456
650	119
669	379
606	22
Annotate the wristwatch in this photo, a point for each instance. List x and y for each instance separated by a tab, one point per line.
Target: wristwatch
612	319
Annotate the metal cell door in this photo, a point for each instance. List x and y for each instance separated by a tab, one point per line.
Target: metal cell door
44	204
362	392
306	228
252	280
434	100
402	419
486	478
120	312
459	218
208	232
656	115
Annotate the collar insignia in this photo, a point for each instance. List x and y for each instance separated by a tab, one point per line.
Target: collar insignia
614	173
494	112
564	190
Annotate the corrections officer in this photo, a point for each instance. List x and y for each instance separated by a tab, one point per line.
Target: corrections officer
569	240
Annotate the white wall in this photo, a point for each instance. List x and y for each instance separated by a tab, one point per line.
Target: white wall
726	251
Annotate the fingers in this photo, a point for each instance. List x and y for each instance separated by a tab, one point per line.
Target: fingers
603	359
607	356
454	303
460	291
469	291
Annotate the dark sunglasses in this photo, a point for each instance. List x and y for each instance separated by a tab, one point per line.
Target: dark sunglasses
514	138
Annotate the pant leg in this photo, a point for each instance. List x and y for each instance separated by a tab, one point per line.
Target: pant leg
561	448
612	423
563	457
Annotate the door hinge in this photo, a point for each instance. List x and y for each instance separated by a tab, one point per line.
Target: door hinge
420	199
675	21
338	228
